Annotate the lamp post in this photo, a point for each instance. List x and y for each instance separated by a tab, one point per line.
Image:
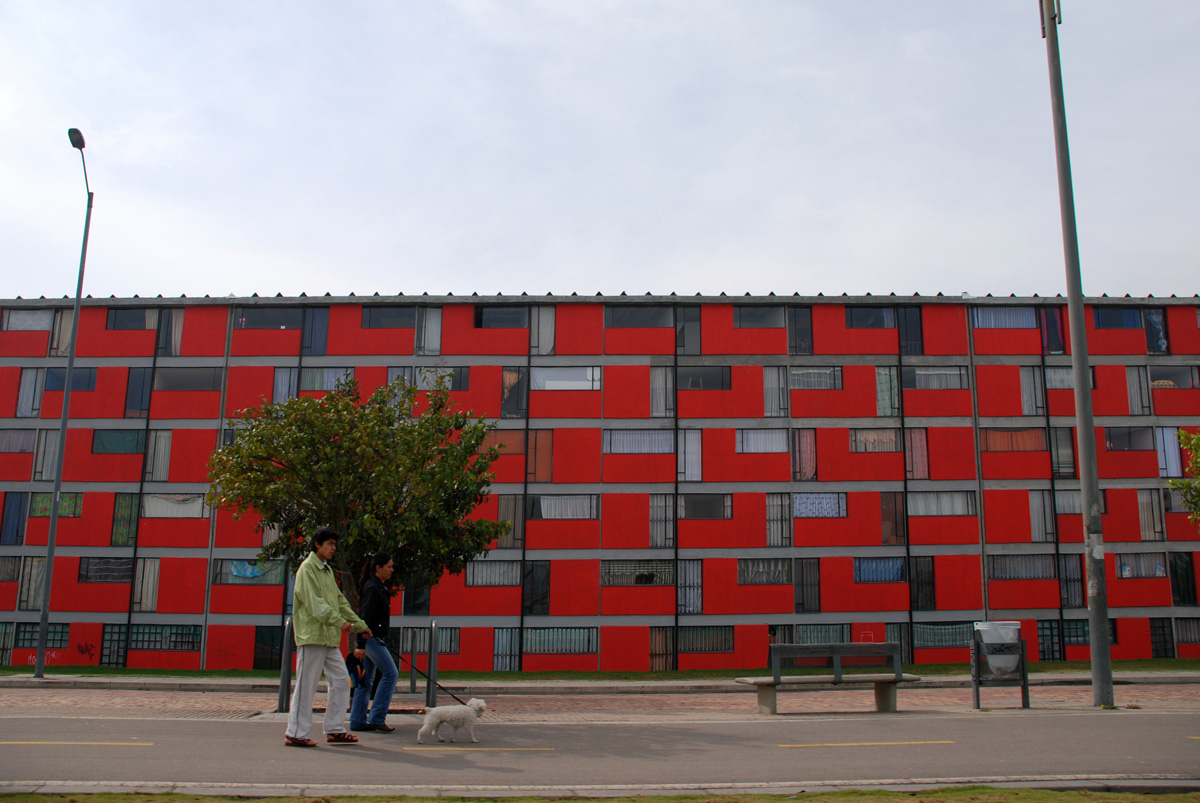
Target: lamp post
77	142
1085	429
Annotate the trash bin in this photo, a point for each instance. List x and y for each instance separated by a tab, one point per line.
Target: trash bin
1003	663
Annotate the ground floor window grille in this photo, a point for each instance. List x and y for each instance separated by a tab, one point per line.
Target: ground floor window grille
780	634
662	521
112	645
706	638
1070	581
1077	632
6	643
506	649
57	635
268	646
1187	630
179	638
662	649
1162	640
807	574
922	590
561	640
897	633
1183	578
1049	640
689	587
942	634
822	634
10	570
404	640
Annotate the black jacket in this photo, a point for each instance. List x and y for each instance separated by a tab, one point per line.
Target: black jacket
375	608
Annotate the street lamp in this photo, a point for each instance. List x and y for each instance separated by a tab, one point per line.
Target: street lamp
77	142
1085	429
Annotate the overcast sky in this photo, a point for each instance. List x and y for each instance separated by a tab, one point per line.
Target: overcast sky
594	146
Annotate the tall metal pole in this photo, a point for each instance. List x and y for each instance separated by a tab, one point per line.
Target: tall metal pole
44	626
1089	480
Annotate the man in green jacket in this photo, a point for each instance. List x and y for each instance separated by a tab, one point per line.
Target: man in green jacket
320	616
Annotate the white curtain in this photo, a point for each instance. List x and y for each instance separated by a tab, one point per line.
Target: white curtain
570	506
1021	567
815	378
1041	517
174	506
764	571
887	397
1150	514
916	454
323	378
1004	318
45	454
1170	459
429	331
174	322
819	505
482	572
287	383
940	378
762	441
1138	385
688	463
1059	377
1142	564
662	391
639	441
158	455
874	440
565	378
17	440
145	585
1033	400
33	578
29	393
775	391
541	330
941	503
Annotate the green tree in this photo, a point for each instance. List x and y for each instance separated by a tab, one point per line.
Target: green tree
1189	488
386	473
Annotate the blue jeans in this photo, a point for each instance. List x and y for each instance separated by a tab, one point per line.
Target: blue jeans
377	658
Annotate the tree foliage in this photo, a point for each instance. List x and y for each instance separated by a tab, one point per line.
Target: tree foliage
397	473
1189	488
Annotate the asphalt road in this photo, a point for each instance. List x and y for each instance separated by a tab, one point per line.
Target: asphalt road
777	754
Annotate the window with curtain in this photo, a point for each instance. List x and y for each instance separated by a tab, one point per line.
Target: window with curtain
541	329
638	441
137	392
388	317
799	330
1154	321
125	519
428	341
539	460
662	391
1138	385
662	521
106	570
1004	439
560	640
916	454
1071	501
169	342
689	456
1150	514
705	506
511	508
70	505
1141	565
764	571
16	512
323	379
706	638
565	377
1117	317
812	377
874	440
776	398
887	393
892	520
942	634
456	377
1021	567
819	505
174	506
248	572
1061	377
1174	376
157	463
481	572
1129	439
562	506
514	391
1033	398
29	392
807	594
1043	524
286	384
1170	457
1003	318
17	441
508	441
44	453
33	578
779	519
131	318
687	329
60	332
941	503
880	570
1062	452
804	455
934	377
637	572
10	569
404	372
761	441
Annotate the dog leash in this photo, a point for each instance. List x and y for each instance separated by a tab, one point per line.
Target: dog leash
434	682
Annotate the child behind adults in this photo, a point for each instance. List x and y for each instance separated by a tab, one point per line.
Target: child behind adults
320	615
374	606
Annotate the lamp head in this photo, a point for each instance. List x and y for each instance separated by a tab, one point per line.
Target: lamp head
76	138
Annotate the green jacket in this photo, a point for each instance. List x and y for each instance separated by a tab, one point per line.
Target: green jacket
318	607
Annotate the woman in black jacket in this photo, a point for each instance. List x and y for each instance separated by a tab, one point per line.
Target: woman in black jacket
374	606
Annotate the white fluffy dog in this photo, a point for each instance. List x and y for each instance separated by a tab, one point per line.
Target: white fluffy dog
456	716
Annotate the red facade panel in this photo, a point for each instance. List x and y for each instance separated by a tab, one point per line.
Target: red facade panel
639	468
743	400
750	650
1018	594
84	641
577	455
1176	401
265	342
191	533
93	528
241	534
562	534
637	600
1112	341
1127	464
1121	522
724	595
16	466
452	597
999	390
624	649
1006	517
626	391
106	401
1183	330
718	335
459	335
625	521
856	399
944	329
190	450
747	528
839	592
166	404
830	335
204	332
1111	394
579	329
245	599
248	386
67	593
723	463
24	344
951	453
958	585
80	465
946	402
1007	341
10	387
230	647
564	403
575	588
639	341
474	652
862	526
96	340
928	530
1134	592
347	337
836	463
1015	465
181	585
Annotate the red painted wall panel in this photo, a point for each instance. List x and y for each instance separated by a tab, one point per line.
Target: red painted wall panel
624	649
958	585
637	600
639	468
230	647
474	652
625	521
626	391
162	659
204	331
1007	341
951	453
16	466
579	329
639	341
237	534
67	593
95	340
574	588
1180	528
248	386
370	378
836	463
1183	332
10	388
1112	341
181	584
861	527
509	468
830	335
722	463
265	342
8	595
1121	522
1176	401
1133	639
999	389
723	594
944	329
1132	592
719	336
839	592
743	400
747	528
24	344
1005	594
1111	395
577	455
1015	465
190	450
80	465
560	663
182	403
245	599
93	528
923	402
562	534
173	532
452	597
346	335
564	403
856	399
459	335
749	652
83	643
1006	518
943	530
1124	463
106	401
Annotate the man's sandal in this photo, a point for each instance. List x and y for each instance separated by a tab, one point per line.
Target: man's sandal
292	741
341	737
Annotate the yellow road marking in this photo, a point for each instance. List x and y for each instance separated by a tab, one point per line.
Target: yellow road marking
103	744
501	749
861	744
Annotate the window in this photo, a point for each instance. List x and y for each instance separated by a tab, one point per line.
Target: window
687	330
1155	323
916	454
16	511
1138	386
1129	439
1174	376
1187	630
248	572
1062	377
416	639
501	317
560	640
779	519
642	316
908	321
565	378
106	570
562	506
60	333
286	385
541	330
1062	452
428	339
804	455
689	587
887	394
27	635
1173	501
174	506
874	440
29	392
689	458
314	335
70	505
453	378
922	584
1070	581
131	318
1033	398
415	601
118	441
1072	502
82	379
807	574
44	452
1150	514
942	634
17	441
268	317
934	377
493	573
662	391
1117	317
137	393
819	505
892	518
390	317
1170	458
710	638
10	569
764	571
179	638
870	318
1000	439
187	379
754	317
1053	338
637	572
33	580
514	391
880	570
705	506
1021	567
662	521
169	342
539	463
776	398
703	377
508	441
125	519
761	441
26	320
1003	318
1142	564
511	508
1076	632
156	466
638	441
815	377
322	379
799	330
941	503
1043	523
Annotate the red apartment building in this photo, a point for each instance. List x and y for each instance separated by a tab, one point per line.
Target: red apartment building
687	480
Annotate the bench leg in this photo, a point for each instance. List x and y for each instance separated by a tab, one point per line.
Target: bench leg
885	697
766	700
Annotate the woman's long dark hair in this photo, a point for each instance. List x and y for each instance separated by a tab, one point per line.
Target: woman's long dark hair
380	559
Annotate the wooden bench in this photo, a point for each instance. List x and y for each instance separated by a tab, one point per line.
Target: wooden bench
885	683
